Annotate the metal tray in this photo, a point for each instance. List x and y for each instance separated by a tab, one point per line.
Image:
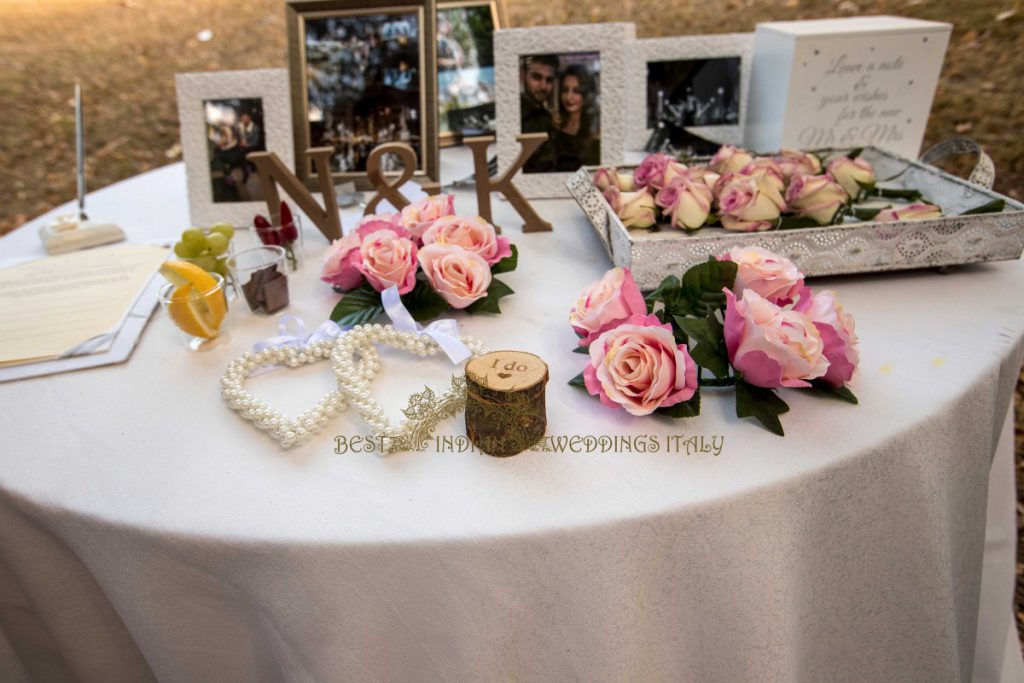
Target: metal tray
853	247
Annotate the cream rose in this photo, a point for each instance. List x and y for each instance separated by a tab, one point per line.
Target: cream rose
458	275
913	212
793	163
474	234
750	205
686	202
610	177
816	197
635	209
854	175
729	158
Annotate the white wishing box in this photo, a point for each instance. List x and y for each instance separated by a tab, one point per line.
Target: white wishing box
863	81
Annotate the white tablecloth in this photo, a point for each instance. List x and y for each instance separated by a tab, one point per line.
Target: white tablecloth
147	531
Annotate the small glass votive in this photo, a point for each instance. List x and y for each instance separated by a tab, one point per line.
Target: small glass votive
287	236
200	316
260	275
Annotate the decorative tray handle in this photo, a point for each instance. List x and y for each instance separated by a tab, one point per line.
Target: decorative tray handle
984	172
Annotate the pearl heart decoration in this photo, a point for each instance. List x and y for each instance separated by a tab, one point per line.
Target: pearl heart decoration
289	432
354	384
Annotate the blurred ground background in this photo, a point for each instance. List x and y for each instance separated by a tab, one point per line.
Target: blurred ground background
126	52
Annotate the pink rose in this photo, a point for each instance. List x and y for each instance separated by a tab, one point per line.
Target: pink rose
913	212
817	197
419	216
793	163
605	304
750	205
342	258
686	202
852	174
638	366
388	259
474	234
772	346
774	278
458	275
610	177
729	158
838	334
651	171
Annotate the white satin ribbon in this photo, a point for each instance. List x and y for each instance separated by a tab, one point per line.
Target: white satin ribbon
327	330
445	331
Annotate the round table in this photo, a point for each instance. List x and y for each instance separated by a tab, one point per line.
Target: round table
148	531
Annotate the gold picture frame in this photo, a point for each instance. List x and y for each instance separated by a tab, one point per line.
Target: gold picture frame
387	30
499	20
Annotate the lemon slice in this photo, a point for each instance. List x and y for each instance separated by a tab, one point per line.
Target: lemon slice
197	313
184	273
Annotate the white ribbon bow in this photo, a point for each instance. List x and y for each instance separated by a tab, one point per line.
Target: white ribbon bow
327	330
445	331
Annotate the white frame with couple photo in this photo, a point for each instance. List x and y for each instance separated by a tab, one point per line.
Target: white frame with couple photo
609	41
193	89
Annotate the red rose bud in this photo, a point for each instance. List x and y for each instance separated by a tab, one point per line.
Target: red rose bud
288	230
263	230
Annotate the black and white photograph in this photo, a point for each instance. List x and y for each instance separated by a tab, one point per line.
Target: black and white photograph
234	128
694	92
560	96
465	68
364	84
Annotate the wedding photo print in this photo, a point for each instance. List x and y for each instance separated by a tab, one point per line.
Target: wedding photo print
694	92
465	68
560	96
364	84
234	128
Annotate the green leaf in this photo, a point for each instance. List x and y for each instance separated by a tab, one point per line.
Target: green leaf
508	263
707	347
667	291
794	222
578	381
689	408
909	194
423	303
489	304
866	214
761	404
360	305
994	206
825	390
581	349
702	286
854	153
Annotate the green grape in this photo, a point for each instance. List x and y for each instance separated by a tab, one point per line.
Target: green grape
218	243
222	267
206	262
194	238
224	229
183	250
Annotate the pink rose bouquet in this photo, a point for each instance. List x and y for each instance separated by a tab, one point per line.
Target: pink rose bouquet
746	320
436	260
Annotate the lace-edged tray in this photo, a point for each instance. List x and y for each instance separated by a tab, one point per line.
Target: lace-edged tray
853	247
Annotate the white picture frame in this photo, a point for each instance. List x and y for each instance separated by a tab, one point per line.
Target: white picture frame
643	52
194	90
609	41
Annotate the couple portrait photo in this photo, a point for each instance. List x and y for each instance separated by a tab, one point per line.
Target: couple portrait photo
559	95
234	128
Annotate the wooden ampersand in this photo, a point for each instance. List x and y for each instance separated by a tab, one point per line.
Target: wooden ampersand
273	172
386	190
502	183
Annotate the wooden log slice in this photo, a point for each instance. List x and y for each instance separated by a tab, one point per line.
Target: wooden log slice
505	410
